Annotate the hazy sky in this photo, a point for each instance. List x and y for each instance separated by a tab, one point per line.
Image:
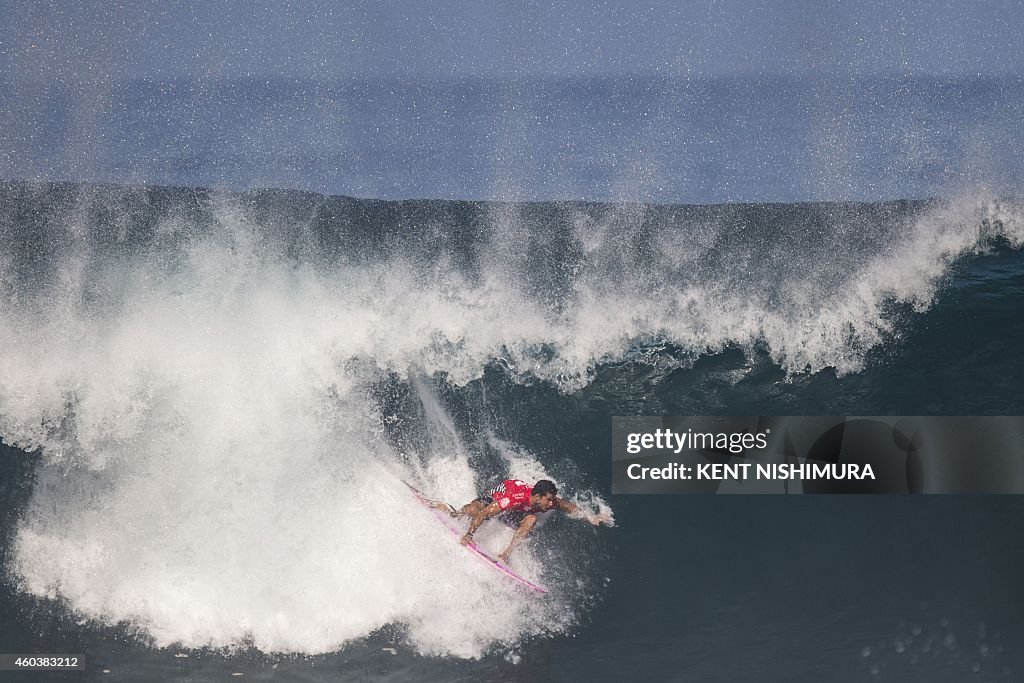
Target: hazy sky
118	39
68	115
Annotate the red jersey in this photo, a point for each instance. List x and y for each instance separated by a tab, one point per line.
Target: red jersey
512	494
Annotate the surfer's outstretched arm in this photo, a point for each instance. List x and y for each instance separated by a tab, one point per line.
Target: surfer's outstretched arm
479	517
567	507
574	510
525	527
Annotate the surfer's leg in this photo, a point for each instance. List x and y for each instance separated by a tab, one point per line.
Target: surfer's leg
442	507
472	508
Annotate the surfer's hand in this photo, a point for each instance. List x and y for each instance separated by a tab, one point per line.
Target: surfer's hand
466	539
504	558
599	519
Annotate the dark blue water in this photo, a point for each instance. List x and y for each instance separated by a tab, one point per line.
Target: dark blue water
663	140
209	399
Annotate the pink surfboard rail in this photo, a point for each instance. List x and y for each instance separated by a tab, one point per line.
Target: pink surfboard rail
473	547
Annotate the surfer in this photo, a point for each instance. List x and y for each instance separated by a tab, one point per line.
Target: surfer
518	505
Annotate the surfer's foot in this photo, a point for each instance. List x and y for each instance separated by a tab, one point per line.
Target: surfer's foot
443	507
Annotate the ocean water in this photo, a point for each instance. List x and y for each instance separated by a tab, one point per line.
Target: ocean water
652	139
208	401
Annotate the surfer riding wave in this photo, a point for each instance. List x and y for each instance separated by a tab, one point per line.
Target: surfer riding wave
518	505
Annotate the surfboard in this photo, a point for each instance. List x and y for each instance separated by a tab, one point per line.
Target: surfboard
448	524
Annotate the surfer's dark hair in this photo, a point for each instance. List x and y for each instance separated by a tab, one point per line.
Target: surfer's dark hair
544	487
